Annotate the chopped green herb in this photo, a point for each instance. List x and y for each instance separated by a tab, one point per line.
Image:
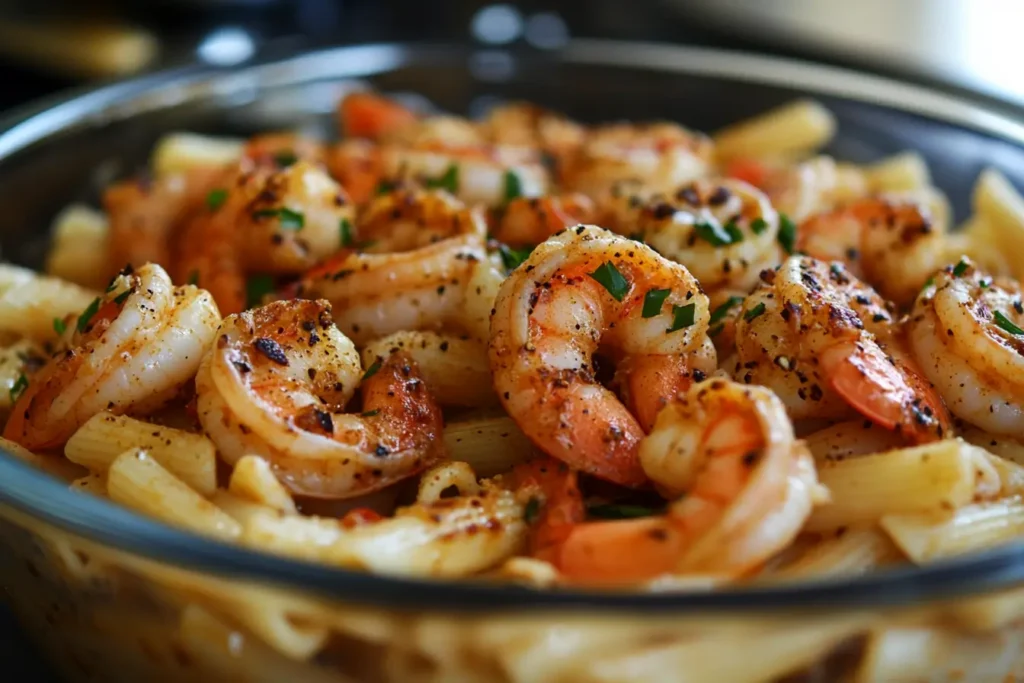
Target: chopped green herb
19	386
384	186
285	158
716	330
758	225
290	220
713	233
1006	324
653	301
532	510
754	312
59	326
682	316
787	233
193	278
372	370
719	313
216	198
613	511
123	296
449	181
256	289
960	268
984	283
734	232
511	257
345	229
87	314
513	186
370	413
637	236
928	283
113	285
612	280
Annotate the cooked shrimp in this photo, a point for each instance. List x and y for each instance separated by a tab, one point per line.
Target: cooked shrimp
407	219
743	487
368	115
583	290
965	331
529	221
377	294
892	244
661	156
724	232
801	189
550	490
283	149
276	385
825	343
527	125
128	352
357	166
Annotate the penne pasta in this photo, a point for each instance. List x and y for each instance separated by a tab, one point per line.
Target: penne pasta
1001	208
851	553
926	538
29	302
54	466
935	477
79	251
190	457
179	152
899	173
795	128
252	479
137	480
94	484
850	439
490	445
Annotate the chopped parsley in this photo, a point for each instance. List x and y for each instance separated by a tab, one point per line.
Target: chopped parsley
612	280
718	315
345	230
370	413
1006	324
621	511
59	326
787	233
123	296
256	289
449	181
532	510
289	220
928	283
714	233
734	232
87	314
512	258
716	330
754	312
960	268
384	186
758	225
216	198
285	158
193	278
653	301
513	186
18	388
372	370
682	316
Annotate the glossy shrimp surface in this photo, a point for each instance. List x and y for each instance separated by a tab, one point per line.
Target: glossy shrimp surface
965	332
129	352
277	382
410	218
581	292
826	344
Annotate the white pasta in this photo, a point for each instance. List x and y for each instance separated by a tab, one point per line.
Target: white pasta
926	538
94	484
490	445
791	129
57	467
79	250
253	479
898	173
29	302
178	152
854	552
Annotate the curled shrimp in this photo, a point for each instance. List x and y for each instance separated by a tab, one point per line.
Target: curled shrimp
965	331
743	487
529	221
582	291
724	232
130	351
357	166
801	189
369	115
527	125
283	149
826	343
409	218
893	244
660	156
276	384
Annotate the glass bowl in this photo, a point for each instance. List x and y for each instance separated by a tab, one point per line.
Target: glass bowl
110	596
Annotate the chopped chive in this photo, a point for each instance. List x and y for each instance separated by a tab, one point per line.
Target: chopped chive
716	330
734	232
1006	324
613	511
960	268
758	225
653	301
612	280
682	316
372	370
787	233
719	313
18	388
216	198
449	181
984	283
289	220
532	510
59	326
256	289
713	233
384	186
370	413
928	283
512	258
87	314
193	278
513	186
345	230
754	312
123	296
285	158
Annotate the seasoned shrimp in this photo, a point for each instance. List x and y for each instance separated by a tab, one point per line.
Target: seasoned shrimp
357	166
743	487
892	244
368	115
724	232
130	351
825	343
661	156
406	219
583	290
283	149
965	331
527	125
529	221
276	385
802	189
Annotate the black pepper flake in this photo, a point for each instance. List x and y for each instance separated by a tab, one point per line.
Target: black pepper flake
381	451
271	349
242	366
324	418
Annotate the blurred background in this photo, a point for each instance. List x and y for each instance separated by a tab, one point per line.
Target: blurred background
967	46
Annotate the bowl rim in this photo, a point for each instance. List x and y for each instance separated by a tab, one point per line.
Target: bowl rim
33	493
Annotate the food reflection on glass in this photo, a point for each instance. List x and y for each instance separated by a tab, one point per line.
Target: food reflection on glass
531	350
